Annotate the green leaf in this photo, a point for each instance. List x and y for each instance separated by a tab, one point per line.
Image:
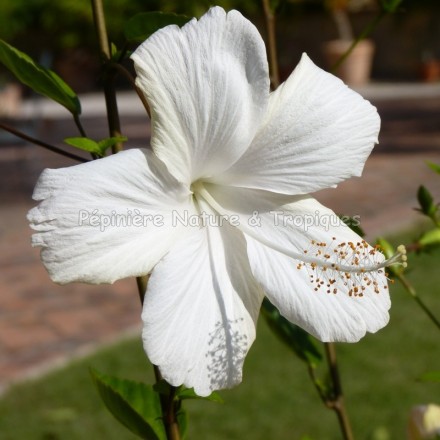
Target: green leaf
38	78
297	339
84	144
188	393
104	144
353	223
273	5
117	54
390	5
426	202
430	238
98	148
113	50
134	404
434	167
141	26
431	376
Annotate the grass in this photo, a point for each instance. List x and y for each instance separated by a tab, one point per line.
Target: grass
276	399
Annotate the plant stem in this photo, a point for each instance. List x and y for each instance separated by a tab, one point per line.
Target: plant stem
316	382
337	401
410	289
79	125
168	404
142	283
112	116
49	147
271	43
332	397
121	69
109	74
171	424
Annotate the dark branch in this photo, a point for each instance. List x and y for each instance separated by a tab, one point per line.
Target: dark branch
42	144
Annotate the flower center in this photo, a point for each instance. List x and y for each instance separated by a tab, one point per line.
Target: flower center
196	187
356	265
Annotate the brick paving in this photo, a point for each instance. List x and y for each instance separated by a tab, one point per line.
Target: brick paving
43	325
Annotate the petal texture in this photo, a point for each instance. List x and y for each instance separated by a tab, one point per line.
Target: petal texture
317	133
200	310
289	230
107	219
208	87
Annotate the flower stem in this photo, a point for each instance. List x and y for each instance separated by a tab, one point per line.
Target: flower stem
35	141
410	289
271	43
336	402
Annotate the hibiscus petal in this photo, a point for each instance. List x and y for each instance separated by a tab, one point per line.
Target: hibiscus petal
95	220
200	310
208	87
317	133
289	233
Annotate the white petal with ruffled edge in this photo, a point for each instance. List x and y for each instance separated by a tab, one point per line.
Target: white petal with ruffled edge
275	248
208	87
132	186
201	309
317	133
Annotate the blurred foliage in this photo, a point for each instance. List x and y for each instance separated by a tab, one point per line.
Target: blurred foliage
60	35
62	24
68	23
39	25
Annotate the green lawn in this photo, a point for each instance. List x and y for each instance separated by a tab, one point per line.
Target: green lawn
276	399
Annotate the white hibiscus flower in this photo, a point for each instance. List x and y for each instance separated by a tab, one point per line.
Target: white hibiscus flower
222	146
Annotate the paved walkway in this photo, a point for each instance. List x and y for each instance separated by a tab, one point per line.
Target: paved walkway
43	325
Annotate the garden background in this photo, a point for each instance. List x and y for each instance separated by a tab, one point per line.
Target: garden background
50	335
